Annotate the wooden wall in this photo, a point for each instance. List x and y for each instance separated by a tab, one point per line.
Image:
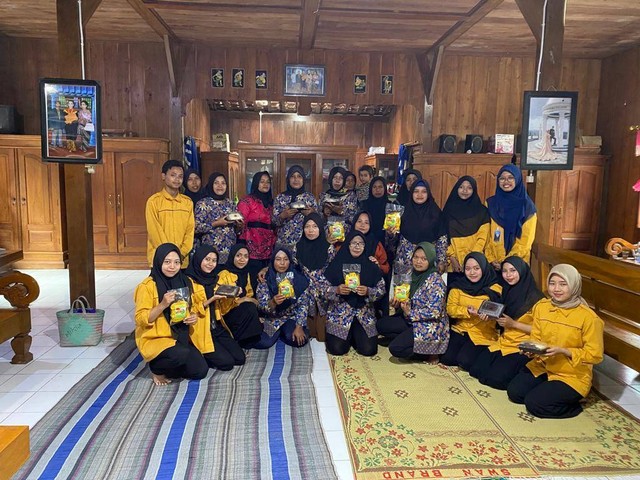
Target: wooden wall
197	123
619	108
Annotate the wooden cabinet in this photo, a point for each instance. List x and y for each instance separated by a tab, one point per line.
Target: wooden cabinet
10	237
222	162
384	165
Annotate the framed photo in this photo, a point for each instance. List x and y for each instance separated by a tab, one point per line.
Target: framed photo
549	130
217	77
359	84
237	78
304	80
70	126
386	85
261	79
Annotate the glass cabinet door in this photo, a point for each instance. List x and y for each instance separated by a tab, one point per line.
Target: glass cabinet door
306	161
327	165
255	164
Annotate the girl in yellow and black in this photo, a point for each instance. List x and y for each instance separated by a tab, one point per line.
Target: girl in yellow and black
471	333
240	314
513	218
466	220
181	349
552	384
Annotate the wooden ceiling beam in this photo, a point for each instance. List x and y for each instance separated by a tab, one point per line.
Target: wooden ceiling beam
89	7
532	12
356	14
152	18
552	50
170	65
429	65
220	7
309	23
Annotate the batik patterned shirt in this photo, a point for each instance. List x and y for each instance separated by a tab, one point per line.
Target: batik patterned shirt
290	230
297	311
428	317
223	238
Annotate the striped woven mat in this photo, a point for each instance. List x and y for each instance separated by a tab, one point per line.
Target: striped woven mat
259	421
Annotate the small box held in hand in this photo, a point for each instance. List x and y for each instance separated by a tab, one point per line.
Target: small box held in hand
491	309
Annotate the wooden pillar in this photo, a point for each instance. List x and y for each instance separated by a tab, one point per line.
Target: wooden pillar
77	182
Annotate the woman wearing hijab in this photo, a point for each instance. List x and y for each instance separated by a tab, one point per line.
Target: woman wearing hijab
336	202
466	220
284	299
376	204
192	184
202	271
411	176
240	314
422	326
212	226
552	384
502	361
289	219
471	332
350	182
172	349
373	248
258	234
351	318
513	218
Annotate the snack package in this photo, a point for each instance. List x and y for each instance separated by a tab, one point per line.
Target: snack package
285	284
181	305
392	217
351	274
402	286
335	227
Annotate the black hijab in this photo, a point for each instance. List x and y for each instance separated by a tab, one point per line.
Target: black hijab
313	254
265	198
376	208
371	241
464	218
370	273
405	195
208	189
482	286
300	281
422	223
355	180
332	173
195	272
294	192
519	298
194	196
241	273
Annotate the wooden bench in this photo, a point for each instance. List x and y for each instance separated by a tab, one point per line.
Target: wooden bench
20	290
612	289
14	449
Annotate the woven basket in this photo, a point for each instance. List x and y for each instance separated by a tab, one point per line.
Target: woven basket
80	328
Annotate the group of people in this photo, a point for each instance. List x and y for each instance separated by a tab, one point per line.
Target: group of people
293	260
70	126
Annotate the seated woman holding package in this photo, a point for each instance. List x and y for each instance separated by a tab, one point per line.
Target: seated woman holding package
421	327
566	342
284	299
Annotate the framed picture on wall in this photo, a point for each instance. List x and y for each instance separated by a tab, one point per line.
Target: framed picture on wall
386	85
549	130
304	80
70	127
217	77
261	79
359	84
237	78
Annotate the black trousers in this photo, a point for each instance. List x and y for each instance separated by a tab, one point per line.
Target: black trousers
544	398
244	323
400	332
357	338
461	352
284	333
222	338
497	370
180	361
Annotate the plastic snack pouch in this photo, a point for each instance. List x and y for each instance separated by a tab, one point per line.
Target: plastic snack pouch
351	274
335	227
392	217
285	284
402	286
181	305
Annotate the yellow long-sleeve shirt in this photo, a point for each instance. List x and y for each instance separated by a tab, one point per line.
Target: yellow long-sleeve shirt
169	220
224	306
153	338
495	251
461	246
508	342
481	332
580	330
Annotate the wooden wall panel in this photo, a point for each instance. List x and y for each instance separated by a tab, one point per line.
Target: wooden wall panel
197	123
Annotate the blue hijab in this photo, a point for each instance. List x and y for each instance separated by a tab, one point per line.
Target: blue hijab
300	281
511	209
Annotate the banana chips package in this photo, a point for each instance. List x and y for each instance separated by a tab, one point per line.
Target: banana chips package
181	306
392	217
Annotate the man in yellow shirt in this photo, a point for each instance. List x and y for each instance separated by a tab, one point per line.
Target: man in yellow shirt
169	214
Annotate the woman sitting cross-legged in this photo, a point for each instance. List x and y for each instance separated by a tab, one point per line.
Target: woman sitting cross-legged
502	361
471	333
352	283
422	327
553	383
172	342
240	314
202	271
284	299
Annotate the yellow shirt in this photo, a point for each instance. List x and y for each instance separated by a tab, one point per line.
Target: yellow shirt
494	250
154	338
224	306
577	329
169	220
481	332
508	342
461	246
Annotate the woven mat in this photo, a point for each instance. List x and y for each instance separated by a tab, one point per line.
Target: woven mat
259	421
415	420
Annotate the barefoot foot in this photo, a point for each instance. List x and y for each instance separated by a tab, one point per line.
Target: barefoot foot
160	379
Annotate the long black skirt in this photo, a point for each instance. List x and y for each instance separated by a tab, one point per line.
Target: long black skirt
244	323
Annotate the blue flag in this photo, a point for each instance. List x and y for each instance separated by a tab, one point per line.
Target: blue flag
191	159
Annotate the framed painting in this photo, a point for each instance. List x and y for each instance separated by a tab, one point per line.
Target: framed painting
304	80
360	83
217	77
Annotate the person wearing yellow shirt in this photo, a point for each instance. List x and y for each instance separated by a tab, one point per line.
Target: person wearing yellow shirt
553	383
467	222
169	214
513	218
471	333
502	361
173	337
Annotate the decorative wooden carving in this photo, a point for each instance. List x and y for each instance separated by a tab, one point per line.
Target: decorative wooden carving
19	289
616	246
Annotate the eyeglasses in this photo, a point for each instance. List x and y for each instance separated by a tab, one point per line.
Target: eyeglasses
357	244
506	179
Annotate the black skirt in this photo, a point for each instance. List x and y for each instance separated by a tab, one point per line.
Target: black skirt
244	322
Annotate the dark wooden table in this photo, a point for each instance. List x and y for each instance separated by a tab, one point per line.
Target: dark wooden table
8	258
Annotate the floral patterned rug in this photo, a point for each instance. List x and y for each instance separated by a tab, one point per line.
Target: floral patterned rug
416	420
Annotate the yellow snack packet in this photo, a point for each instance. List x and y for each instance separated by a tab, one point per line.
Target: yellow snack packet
179	310
392	221
336	231
401	292
285	288
352	280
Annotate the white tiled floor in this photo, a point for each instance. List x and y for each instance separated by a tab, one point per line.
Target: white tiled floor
45	380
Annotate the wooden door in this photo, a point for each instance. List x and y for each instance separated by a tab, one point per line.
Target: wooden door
103	194
441	179
10	237
137	177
